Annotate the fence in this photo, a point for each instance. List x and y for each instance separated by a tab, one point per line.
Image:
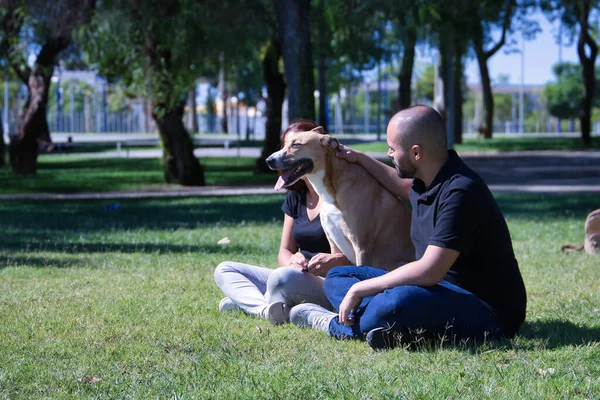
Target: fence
253	127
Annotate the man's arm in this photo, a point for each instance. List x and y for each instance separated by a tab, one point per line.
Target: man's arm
427	271
385	175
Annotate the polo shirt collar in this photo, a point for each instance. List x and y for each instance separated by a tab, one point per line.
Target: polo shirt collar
447	169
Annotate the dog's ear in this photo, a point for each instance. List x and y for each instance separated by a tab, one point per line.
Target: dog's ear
329	141
319	129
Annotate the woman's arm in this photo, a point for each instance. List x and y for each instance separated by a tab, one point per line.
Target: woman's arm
321	263
289	256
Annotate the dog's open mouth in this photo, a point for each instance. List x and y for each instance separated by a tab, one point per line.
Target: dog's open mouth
291	175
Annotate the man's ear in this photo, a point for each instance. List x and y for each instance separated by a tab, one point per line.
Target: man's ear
329	141
319	129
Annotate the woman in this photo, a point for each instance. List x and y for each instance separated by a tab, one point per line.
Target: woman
304	258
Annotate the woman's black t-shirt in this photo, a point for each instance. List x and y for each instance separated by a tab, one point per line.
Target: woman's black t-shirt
309	235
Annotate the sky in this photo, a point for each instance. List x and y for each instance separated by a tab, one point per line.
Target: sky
540	55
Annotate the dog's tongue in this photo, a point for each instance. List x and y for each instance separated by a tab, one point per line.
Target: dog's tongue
283	179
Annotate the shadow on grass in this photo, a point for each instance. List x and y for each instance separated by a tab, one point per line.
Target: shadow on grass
536	206
93	247
37	262
44	225
529	143
559	333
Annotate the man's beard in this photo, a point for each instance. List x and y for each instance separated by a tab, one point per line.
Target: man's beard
405	173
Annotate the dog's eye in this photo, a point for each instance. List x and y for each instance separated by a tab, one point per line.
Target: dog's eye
295	145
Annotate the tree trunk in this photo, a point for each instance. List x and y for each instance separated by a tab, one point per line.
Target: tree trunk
294	30
223	94
2	144
323	93
485	129
180	164
587	64
32	126
458	89
275	83
451	52
322	45
194	113
446	56
406	70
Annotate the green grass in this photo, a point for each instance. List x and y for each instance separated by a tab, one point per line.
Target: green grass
128	297
68	174
501	144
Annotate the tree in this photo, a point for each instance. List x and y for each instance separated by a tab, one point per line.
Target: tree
406	22
294	35
574	16
449	22
47	26
565	96
491	14
158	48
275	84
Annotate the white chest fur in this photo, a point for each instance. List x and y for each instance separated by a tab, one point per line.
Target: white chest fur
332	218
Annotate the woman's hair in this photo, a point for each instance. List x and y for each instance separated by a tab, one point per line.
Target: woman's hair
297	125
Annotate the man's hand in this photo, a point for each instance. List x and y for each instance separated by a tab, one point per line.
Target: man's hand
298	261
321	263
349	304
348	154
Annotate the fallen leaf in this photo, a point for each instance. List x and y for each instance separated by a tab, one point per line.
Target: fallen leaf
257	330
223	241
545	372
90	379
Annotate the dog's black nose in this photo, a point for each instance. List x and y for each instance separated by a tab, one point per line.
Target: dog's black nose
270	162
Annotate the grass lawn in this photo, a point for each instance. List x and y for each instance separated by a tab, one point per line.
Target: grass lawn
98	304
501	144
68	174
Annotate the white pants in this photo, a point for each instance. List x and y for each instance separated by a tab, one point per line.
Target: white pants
254	288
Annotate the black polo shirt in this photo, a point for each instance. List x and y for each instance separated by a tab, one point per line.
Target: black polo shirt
458	212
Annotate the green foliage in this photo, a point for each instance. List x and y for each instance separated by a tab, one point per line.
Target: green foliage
564	97
158	49
425	83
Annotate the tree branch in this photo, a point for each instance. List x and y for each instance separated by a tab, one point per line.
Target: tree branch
505	26
584	36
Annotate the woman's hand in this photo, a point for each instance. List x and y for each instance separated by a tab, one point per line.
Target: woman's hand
298	261
349	304
321	263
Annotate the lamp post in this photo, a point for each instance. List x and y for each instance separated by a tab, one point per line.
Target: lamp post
522	88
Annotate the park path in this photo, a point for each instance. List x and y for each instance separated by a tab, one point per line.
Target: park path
511	172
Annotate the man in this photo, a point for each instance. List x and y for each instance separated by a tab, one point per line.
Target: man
465	284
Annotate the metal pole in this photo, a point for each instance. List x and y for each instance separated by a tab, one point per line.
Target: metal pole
367	107
379	100
5	116
104	126
58	105
521	89
72	105
559	42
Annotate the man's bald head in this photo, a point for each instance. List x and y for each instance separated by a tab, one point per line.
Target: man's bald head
420	125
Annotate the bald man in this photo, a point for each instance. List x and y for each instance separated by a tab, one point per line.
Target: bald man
466	282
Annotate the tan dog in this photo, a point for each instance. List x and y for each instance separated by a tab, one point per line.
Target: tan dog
366	222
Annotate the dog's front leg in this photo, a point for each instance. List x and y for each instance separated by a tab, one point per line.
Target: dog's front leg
363	256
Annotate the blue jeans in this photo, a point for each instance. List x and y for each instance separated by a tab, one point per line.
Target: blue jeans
440	310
